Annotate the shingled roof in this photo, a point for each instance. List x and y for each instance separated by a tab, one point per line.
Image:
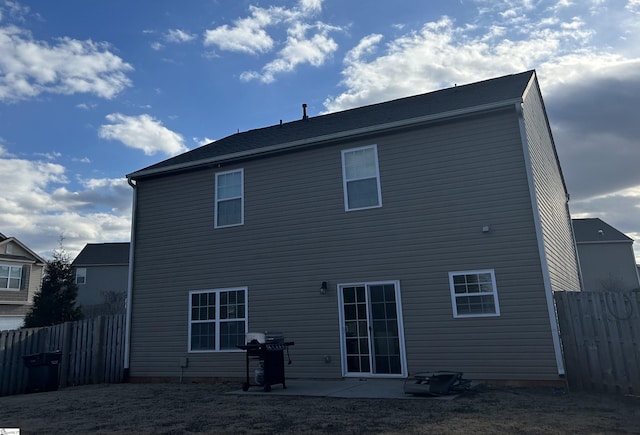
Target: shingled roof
103	254
476	96
594	230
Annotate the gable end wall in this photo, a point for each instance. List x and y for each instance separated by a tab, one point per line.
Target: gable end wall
550	196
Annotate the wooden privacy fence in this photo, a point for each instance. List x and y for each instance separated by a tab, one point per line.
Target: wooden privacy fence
600	334
92	351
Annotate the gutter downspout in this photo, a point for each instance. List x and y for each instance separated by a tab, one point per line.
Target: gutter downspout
127	334
544	263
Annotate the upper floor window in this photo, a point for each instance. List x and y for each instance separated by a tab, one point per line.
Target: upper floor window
361	178
229	205
217	319
474	293
81	275
10	277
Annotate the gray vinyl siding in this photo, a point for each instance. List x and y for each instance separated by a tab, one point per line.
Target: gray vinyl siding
608	266
101	279
551	196
440	186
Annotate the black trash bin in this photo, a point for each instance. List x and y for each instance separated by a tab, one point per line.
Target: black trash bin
42	371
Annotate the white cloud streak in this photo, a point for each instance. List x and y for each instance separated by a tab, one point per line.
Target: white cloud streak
142	132
178	36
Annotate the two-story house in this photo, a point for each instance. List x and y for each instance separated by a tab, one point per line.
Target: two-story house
606	257
21	272
102	271
419	234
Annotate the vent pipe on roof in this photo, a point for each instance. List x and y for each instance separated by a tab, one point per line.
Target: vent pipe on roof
304	111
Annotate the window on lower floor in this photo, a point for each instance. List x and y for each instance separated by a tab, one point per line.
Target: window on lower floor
10	277
217	319
474	293
81	275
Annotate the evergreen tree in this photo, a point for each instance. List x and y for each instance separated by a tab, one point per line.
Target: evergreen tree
56	301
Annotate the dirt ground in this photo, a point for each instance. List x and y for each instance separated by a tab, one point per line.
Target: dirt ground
205	408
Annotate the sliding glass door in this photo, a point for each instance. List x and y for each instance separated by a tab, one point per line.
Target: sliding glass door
371	328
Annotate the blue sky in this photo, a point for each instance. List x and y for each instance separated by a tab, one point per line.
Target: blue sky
91	91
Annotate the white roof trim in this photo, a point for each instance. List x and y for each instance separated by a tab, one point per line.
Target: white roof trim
36	257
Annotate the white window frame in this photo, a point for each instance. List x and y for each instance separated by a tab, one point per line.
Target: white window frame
219	200
81	275
346	181
217	321
493	292
9	278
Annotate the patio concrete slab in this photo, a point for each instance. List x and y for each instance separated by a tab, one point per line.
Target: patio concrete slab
347	388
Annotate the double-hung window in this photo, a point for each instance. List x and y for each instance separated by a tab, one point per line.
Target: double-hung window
361	178
474	293
217	319
81	275
229	204
10	277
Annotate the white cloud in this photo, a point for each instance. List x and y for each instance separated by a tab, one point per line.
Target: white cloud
299	49
142	132
633	6
312	5
49	156
366	47
249	35
85	106
179	36
441	54
29	68
202	141
37	207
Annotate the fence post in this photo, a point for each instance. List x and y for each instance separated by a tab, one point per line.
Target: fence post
98	354
64	360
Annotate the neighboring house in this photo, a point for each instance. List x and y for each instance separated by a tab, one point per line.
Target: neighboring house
425	233
607	260
102	271
20	279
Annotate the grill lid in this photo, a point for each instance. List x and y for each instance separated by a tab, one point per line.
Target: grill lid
265	337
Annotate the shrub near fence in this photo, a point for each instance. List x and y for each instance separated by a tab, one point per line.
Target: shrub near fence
92	352
600	334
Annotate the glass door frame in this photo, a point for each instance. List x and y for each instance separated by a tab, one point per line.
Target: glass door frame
343	350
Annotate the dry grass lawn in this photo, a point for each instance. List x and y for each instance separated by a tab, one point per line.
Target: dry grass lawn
204	408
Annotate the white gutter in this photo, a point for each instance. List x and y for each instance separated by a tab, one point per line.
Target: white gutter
326	138
127	334
546	278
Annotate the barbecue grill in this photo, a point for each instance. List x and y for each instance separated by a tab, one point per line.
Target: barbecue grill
265	355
